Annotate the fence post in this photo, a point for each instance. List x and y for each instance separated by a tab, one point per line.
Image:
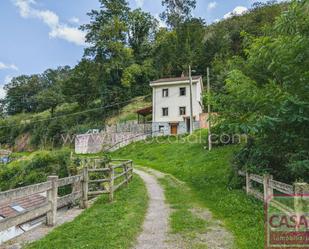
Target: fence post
125	166
271	190
266	185
85	181
301	191
52	196
131	164
111	182
248	183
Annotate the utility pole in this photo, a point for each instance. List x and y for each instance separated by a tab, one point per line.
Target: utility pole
208	110
191	102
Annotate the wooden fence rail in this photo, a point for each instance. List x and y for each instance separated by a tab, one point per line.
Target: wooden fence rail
269	185
114	175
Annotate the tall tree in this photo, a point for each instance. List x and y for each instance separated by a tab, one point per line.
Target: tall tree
177	11
82	86
175	50
106	35
141	30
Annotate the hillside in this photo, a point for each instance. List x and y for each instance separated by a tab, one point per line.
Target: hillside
128	112
27	132
38	108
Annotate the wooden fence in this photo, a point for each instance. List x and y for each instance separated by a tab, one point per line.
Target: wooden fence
269	185
107	179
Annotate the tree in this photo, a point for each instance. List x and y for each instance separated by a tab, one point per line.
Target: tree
267	99
21	93
49	99
177	11
107	34
175	50
141	30
54	77
82	86
165	53
107	31
190	44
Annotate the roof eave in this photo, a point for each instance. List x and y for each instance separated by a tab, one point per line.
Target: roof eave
166	83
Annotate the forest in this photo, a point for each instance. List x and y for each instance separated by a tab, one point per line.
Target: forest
259	78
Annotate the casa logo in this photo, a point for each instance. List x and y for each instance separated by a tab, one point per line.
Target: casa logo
287	222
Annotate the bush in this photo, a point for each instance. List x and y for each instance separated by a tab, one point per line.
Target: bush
35	169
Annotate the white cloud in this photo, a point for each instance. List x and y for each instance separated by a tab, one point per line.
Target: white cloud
2	92
51	19
6	66
69	34
139	3
238	11
74	19
212	5
7	80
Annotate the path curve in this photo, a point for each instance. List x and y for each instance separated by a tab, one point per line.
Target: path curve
155	228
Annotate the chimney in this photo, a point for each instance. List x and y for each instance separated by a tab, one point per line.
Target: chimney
182	75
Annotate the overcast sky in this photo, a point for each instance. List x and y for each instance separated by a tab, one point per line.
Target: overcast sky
41	34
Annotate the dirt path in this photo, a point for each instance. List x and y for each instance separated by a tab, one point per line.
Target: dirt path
155	228
156	231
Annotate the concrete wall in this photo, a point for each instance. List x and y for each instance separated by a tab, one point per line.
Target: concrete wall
112	138
182	128
105	141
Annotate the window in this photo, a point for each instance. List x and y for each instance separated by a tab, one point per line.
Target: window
182	91
182	110
164	112
164	93
161	128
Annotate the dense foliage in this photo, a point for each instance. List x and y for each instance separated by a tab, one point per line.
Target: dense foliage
35	168
266	97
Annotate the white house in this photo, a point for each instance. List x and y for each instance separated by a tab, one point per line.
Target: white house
171	104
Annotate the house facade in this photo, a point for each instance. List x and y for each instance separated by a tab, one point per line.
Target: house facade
171	105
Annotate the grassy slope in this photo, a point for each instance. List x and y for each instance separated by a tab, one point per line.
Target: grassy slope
128	112
104	225
207	173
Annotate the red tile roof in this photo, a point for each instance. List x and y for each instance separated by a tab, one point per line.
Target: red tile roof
27	202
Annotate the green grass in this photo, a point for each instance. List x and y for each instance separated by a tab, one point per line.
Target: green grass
104	225
181	201
183	221
207	173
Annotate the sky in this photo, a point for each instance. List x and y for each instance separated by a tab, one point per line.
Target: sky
39	34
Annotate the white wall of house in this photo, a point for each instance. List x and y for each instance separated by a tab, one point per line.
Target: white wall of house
174	101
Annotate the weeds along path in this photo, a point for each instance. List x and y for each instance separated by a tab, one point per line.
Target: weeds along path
176	220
